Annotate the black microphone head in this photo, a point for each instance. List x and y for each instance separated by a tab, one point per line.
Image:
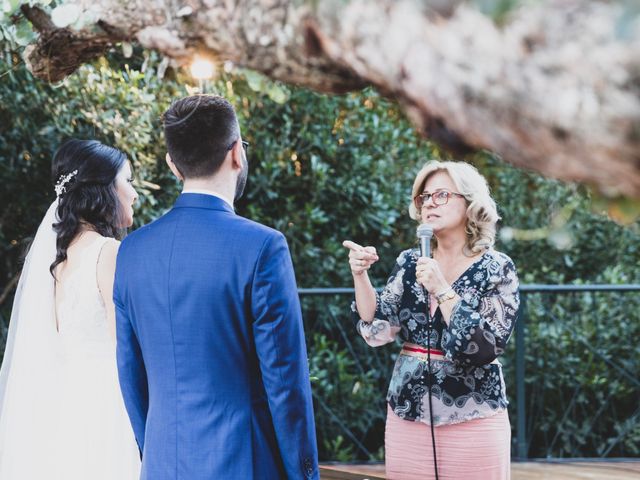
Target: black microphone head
425	230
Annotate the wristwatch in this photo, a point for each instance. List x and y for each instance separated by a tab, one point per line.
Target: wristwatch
448	294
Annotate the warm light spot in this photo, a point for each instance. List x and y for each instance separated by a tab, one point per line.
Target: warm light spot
201	68
294	157
340	141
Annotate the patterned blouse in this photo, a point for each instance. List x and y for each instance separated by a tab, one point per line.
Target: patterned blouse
467	382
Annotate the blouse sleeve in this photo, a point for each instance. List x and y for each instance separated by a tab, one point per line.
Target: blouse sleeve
479	328
386	323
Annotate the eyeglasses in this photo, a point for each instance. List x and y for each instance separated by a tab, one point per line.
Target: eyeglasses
441	197
245	145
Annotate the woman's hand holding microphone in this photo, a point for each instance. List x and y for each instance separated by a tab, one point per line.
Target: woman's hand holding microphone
430	276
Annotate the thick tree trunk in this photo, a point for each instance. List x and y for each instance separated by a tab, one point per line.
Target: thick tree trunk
555	87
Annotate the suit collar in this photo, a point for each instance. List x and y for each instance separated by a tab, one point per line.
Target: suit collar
202	200
207	192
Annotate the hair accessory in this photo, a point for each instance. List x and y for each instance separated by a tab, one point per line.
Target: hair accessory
60	187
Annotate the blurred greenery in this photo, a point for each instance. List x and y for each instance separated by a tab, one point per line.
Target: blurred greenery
329	168
581	378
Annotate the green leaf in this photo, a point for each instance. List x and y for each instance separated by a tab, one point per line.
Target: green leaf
255	81
24	34
277	93
11	6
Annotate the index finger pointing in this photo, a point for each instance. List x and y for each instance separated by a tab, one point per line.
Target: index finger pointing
352	246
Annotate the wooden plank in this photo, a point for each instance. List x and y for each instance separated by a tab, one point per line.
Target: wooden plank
577	470
541	470
373	471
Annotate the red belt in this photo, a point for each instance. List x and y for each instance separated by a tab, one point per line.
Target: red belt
421	353
417	349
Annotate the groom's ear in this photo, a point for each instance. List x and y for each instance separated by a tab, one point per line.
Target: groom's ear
236	156
173	168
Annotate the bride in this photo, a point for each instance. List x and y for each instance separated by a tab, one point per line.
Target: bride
61	412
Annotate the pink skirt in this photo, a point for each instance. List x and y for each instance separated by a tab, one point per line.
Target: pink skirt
477	449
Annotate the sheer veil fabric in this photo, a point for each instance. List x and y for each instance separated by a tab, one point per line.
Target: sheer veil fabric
62	416
28	377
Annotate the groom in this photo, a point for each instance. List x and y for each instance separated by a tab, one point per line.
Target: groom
211	351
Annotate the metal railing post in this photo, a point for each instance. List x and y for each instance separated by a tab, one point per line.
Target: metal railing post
521	438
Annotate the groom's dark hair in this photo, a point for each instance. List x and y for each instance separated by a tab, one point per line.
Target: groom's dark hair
199	131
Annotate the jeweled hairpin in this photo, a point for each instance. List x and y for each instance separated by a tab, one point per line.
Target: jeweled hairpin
60	187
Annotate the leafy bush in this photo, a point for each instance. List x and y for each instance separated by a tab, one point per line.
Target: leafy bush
328	168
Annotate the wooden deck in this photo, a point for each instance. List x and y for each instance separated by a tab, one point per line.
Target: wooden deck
536	470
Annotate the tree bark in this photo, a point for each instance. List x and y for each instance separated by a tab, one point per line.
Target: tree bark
554	86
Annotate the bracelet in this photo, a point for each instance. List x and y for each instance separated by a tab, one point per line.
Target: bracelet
445	296
436	295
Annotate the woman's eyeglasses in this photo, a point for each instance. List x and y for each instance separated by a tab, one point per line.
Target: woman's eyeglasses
441	197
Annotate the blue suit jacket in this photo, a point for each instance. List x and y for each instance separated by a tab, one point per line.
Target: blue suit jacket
211	350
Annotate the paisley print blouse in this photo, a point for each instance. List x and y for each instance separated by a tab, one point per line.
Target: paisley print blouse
467	383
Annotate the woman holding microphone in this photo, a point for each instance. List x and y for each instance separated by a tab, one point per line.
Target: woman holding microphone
454	313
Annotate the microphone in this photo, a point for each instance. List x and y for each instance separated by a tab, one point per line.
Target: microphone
425	232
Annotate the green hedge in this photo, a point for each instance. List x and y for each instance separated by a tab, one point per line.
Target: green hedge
328	168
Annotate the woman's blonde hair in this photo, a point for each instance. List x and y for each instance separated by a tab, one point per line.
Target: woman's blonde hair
482	214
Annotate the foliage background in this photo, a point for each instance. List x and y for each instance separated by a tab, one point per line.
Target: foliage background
329	168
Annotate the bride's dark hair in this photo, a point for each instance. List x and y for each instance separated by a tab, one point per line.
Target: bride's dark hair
88	196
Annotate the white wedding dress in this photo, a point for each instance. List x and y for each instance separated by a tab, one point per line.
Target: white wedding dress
62	416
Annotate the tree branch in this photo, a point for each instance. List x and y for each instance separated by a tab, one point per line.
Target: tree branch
555	87
38	18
